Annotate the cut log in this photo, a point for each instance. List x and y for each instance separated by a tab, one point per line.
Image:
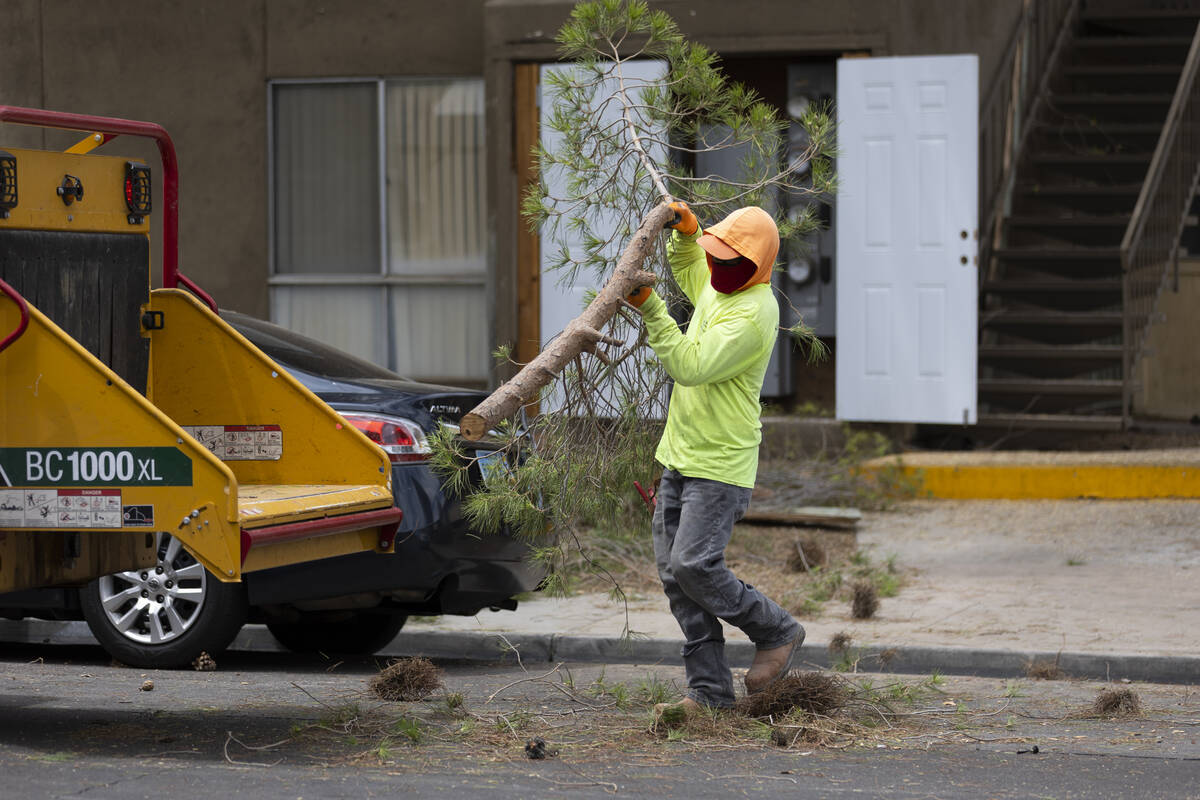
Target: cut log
816	516
581	335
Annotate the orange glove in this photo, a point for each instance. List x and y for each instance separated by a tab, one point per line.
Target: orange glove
638	296
685	221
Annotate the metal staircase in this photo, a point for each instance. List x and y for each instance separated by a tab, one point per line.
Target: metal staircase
1074	158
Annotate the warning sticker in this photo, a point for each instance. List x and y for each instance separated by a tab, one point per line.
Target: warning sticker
240	442
60	508
138	516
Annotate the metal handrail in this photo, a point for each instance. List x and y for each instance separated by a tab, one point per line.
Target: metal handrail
15	296
1151	243
171	277
1012	99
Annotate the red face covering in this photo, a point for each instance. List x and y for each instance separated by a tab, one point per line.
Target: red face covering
728	279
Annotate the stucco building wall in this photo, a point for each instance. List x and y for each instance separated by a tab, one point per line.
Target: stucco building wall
201	69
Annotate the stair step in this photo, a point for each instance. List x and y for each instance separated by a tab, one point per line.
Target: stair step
1057	230
1113	98
1112	352
1090	159
1076	190
1107	70
1035	198
1052	319
1072	254
1078	221
1053	327
1099	167
1131	50
1123	17
1131	42
1027	386
1124	9
1116	128
1103	108
1117	138
1040	287
1073	422
1049	262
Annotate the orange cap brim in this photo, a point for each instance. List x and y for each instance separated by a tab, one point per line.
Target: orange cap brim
716	248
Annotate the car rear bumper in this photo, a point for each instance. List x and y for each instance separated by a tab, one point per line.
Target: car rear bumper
440	565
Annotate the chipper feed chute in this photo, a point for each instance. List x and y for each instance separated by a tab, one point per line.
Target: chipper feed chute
125	412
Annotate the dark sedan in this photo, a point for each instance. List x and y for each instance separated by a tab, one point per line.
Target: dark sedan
349	604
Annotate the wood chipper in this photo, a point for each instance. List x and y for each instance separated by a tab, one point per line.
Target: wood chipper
131	418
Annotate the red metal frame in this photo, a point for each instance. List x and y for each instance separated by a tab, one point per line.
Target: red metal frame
12	293
111	127
386	519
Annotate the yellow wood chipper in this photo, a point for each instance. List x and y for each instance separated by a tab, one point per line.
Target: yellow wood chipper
127	413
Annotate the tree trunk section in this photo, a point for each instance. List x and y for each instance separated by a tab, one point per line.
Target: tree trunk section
581	334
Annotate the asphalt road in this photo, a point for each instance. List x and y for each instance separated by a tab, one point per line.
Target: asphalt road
275	725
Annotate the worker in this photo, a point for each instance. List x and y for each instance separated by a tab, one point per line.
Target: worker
709	448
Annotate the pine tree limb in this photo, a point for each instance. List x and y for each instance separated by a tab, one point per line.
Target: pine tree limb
580	333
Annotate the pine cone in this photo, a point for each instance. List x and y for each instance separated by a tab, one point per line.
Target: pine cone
204	662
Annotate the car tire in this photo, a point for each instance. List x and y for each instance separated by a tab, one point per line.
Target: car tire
359	633
167	615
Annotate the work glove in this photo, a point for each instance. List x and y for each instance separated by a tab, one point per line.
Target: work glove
639	296
685	221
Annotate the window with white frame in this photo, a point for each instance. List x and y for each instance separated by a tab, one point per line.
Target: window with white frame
378	234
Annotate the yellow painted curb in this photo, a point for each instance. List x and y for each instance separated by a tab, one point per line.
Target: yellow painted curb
1051	481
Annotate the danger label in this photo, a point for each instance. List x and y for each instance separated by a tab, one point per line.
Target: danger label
240	442
60	508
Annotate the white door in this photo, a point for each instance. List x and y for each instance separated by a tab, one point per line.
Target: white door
562	299
906	239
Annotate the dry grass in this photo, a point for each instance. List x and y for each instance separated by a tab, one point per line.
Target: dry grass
839	643
1044	670
406	679
1116	703
760	555
810	692
809	709
763	556
809	553
865	600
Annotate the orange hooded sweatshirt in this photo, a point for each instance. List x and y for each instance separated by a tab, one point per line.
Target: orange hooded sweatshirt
718	365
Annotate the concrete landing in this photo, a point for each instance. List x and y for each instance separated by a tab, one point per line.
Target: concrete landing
1034	475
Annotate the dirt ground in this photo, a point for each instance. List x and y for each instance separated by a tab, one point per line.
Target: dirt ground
1087	576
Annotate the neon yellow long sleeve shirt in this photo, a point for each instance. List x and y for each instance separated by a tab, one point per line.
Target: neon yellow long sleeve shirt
713	429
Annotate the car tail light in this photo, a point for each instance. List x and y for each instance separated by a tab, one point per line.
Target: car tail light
401	439
8	183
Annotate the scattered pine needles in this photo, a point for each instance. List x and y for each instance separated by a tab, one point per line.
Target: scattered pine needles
812	692
865	601
1116	703
407	679
808	554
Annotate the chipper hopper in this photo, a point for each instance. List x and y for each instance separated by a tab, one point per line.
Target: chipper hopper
133	420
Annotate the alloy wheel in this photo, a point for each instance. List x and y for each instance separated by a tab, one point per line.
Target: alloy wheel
156	605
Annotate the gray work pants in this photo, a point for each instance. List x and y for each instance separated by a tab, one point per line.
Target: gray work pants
693	520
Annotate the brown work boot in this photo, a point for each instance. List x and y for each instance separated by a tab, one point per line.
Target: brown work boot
771	665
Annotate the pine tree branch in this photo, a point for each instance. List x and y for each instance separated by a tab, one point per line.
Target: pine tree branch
651	167
581	332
